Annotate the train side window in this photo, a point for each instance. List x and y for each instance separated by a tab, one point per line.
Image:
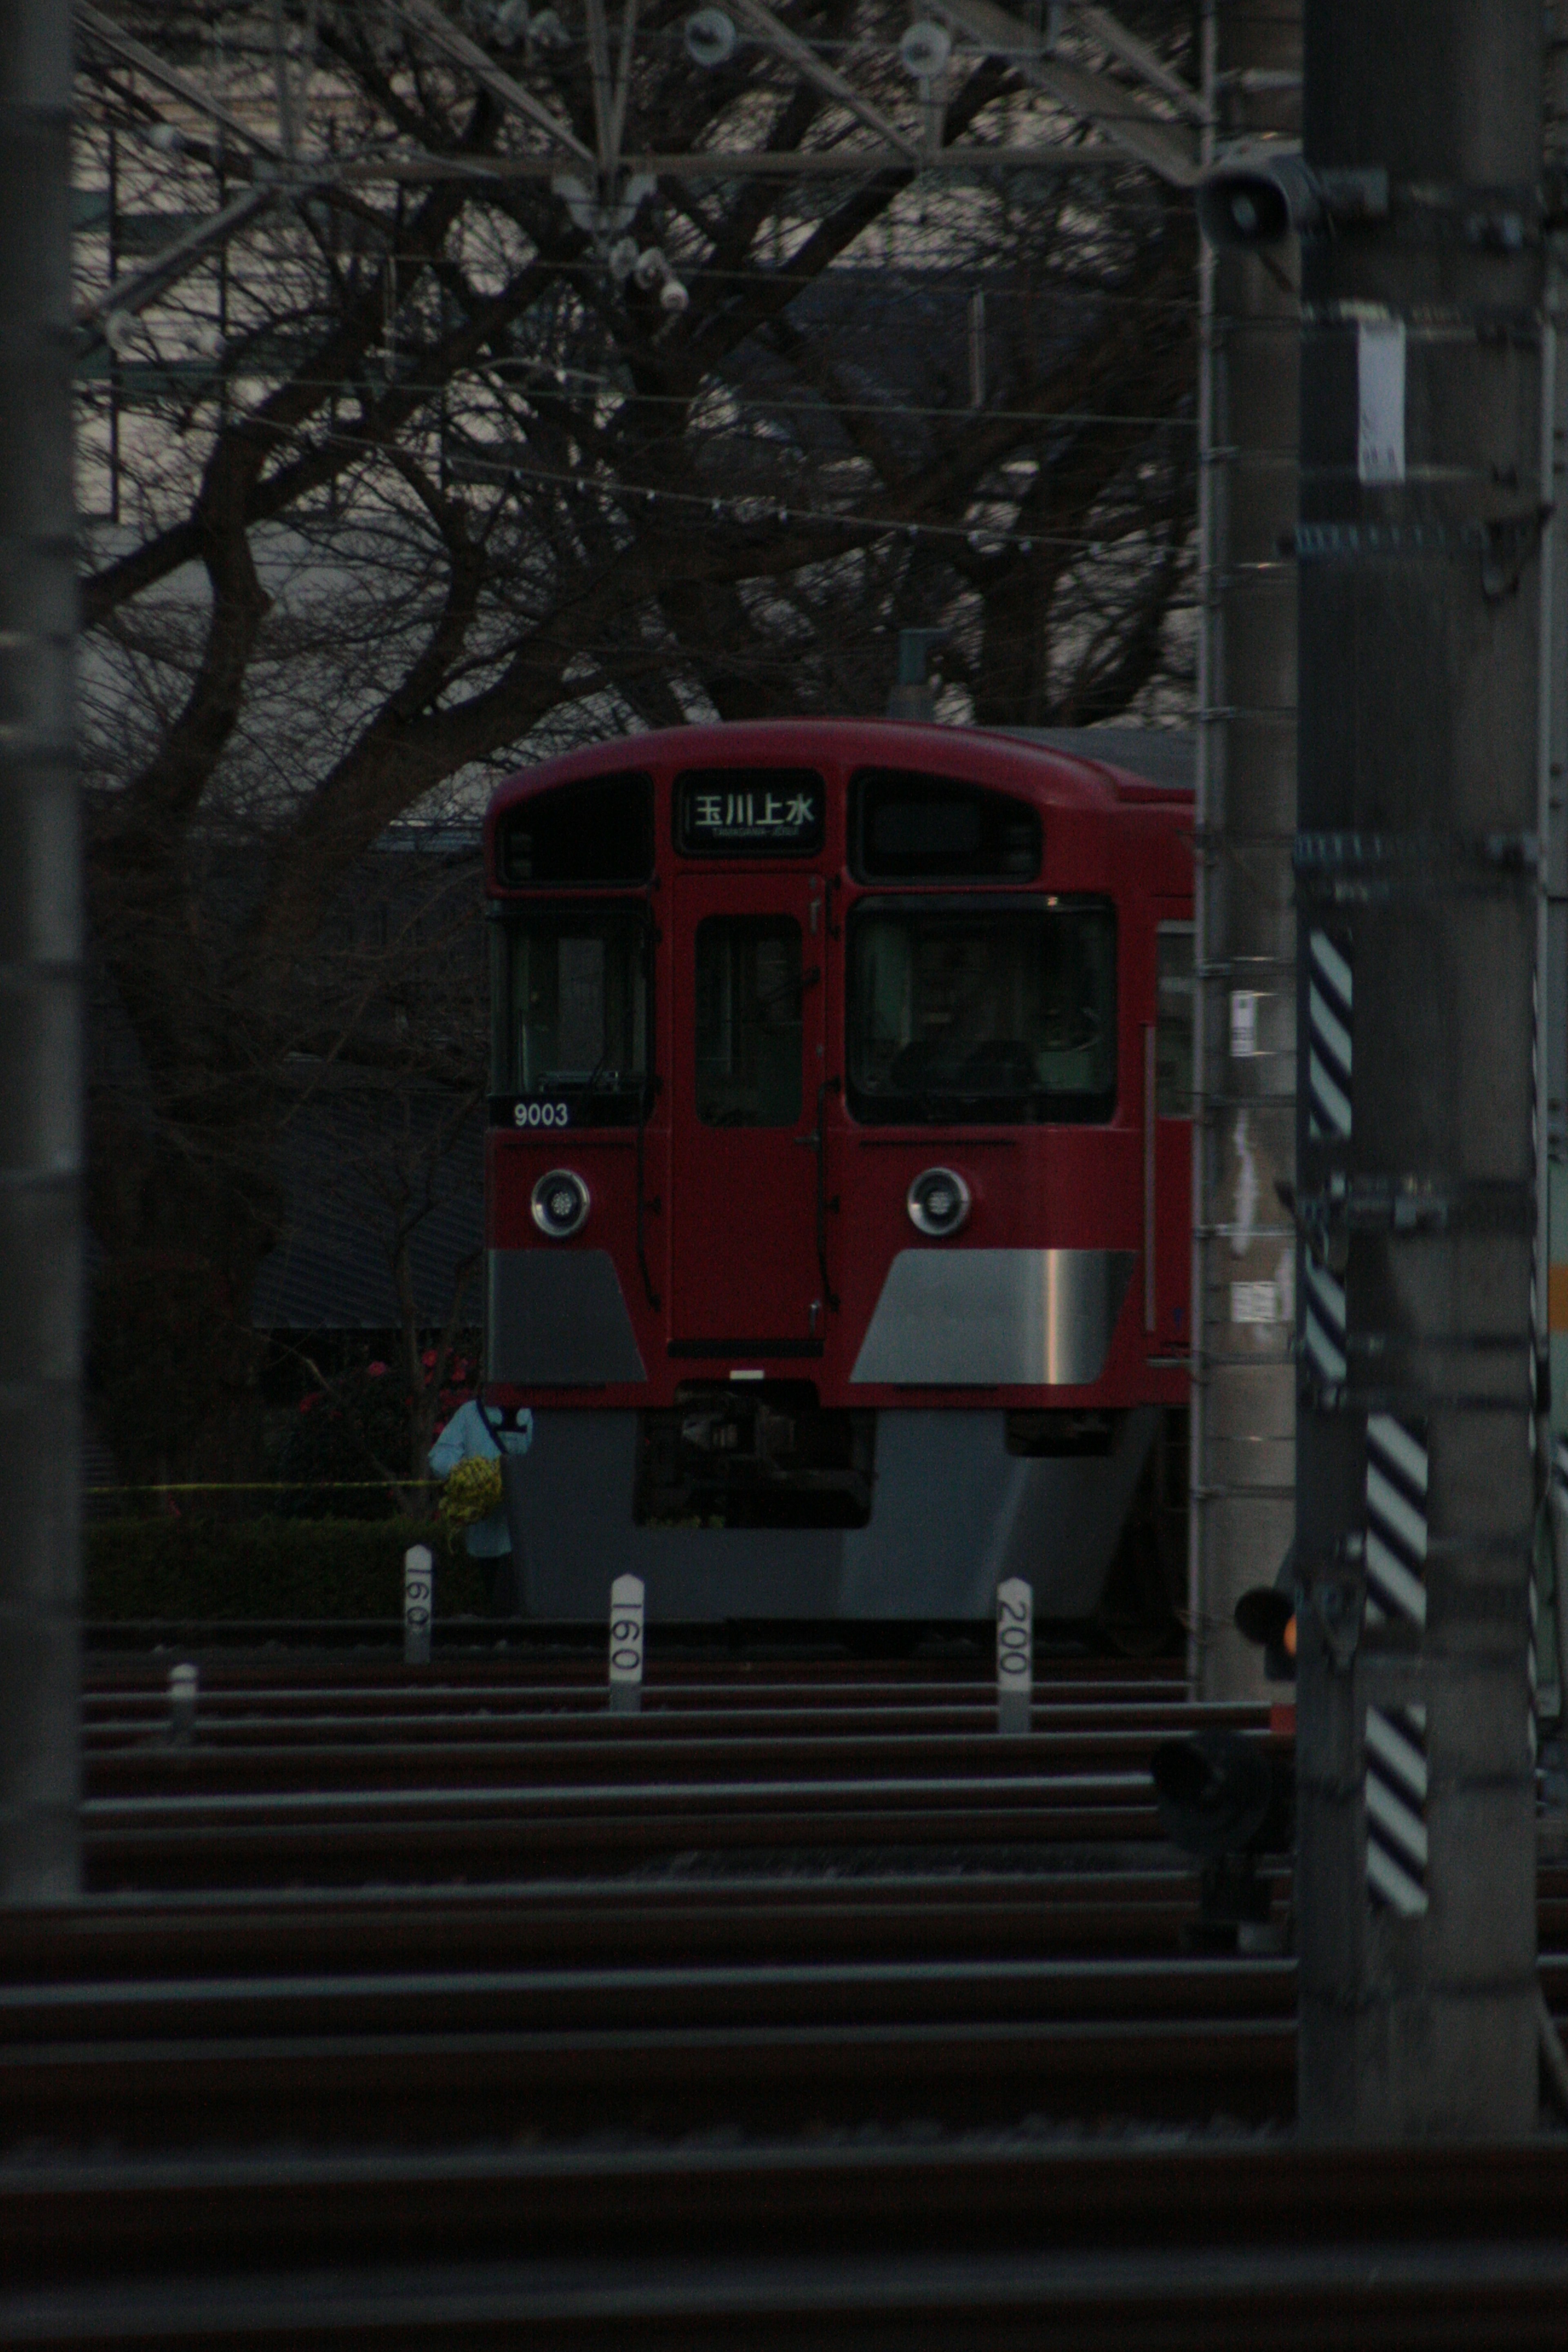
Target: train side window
1173	1021
748	1021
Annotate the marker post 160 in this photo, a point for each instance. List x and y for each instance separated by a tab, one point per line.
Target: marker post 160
418	1585
626	1644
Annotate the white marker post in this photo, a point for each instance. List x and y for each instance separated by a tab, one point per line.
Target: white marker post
625	1645
182	1701
1015	1653
418	1585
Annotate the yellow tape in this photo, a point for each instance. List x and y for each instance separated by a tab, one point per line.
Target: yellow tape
267	1487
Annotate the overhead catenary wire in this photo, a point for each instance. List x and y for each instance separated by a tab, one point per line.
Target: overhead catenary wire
772	507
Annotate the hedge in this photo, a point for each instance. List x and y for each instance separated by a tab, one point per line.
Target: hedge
190	1568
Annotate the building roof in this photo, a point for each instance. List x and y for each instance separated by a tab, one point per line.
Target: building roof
342	1164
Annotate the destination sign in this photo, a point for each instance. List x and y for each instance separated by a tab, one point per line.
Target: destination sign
750	811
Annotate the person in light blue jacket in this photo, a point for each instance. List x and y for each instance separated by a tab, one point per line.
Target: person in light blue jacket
473	1431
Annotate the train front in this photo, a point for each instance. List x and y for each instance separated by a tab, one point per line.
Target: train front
837	1172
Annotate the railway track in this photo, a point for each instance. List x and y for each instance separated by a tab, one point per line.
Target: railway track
800	2009
448	2060
1150	2248
357	1836
324	1778
653	1921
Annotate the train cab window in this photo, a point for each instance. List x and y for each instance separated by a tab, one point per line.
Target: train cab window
600	830
1173	1021
907	827
572	1010
748	1021
983	1012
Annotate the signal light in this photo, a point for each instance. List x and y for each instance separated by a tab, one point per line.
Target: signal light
1263	1614
1267	1615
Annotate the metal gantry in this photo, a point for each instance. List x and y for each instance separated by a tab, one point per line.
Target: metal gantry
226	124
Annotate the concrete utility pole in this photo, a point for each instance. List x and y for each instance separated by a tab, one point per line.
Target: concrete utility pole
1244	1390
1426	400
40	951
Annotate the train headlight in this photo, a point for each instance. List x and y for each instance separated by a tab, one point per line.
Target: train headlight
560	1205
939	1202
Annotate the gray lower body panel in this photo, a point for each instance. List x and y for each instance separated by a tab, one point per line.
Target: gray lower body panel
558	1315
953	1515
994	1318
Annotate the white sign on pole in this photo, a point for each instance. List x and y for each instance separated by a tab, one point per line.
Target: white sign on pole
418	1585
1380	383
1015	1653
1243	1024
626	1644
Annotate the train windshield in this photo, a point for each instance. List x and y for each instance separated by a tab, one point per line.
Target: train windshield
983	1013
572	1007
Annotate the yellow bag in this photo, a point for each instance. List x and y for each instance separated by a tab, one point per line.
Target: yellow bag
473	1490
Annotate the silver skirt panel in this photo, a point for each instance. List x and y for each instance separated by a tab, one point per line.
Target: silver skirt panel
955	1514
557	1316
996	1317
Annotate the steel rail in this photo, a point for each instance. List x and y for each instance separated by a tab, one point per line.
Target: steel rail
864	1795
520	1650
814	1683
956	1759
60	2219
1454	2296
226	1717
645	1922
369	1835
286	2008
432	2088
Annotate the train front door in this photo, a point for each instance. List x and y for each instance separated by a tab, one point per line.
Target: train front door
747	1077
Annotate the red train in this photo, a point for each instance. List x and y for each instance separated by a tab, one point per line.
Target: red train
838	1170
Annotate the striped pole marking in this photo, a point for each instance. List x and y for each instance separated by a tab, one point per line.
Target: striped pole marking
1530	1666
1557	1511
1324	1335
1396	1807
1397	1467
1329	1008
1396	1470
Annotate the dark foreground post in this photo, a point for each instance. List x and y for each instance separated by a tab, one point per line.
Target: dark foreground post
39	971
1244	1398
1426	374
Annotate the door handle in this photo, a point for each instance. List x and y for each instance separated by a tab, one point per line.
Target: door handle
1151	1196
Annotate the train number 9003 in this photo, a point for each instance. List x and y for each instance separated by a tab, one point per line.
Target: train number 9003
540	1114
